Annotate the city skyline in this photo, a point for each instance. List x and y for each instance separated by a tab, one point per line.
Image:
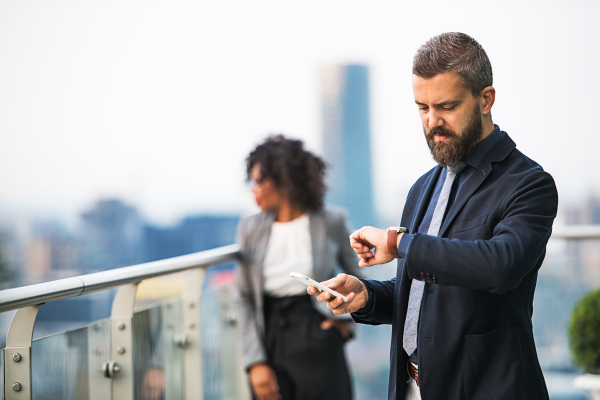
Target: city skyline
160	103
111	233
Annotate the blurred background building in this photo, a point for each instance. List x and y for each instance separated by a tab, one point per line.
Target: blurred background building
346	140
112	236
191	234
50	251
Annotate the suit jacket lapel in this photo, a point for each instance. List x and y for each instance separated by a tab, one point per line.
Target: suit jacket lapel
425	198
474	181
498	153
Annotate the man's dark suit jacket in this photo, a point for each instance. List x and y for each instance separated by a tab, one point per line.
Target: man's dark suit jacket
475	333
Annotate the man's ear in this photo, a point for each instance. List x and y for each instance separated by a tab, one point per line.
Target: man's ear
488	97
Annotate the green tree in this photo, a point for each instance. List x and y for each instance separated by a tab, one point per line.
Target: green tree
584	332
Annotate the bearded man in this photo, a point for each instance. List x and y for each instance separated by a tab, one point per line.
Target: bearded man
472	238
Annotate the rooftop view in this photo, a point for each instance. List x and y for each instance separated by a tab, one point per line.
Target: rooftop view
128	130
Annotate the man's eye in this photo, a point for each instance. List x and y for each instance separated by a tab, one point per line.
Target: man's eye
423	108
449	108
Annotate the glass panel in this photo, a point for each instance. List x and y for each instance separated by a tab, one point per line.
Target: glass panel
158	361
68	365
224	376
1	373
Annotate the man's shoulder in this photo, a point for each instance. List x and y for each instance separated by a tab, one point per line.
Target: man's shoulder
506	151
522	172
515	172
521	161
519	164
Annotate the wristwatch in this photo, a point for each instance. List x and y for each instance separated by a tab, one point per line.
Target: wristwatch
393	232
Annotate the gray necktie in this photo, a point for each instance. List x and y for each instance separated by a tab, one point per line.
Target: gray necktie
416	290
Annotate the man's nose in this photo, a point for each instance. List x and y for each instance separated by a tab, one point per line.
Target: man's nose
434	119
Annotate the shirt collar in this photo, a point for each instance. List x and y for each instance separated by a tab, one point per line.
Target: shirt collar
483	148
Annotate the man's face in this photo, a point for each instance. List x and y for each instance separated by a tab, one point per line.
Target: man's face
451	116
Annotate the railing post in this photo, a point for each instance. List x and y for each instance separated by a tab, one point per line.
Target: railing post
17	355
98	352
232	355
173	374
120	365
190	338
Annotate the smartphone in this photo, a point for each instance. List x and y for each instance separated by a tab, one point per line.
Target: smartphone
311	282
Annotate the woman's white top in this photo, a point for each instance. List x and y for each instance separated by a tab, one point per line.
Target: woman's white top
289	250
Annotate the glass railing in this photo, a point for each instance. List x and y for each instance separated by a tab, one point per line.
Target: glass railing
221	347
72	364
184	346
2	373
68	365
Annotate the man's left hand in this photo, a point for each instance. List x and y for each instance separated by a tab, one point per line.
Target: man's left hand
366	238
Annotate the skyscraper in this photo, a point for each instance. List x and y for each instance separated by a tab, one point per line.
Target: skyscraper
346	134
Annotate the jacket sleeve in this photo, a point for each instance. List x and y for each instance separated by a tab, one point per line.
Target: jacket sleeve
380	306
253	350
517	243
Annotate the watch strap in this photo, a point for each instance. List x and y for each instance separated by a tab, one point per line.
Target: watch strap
392	240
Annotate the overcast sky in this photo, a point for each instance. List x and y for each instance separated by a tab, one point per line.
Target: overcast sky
158	102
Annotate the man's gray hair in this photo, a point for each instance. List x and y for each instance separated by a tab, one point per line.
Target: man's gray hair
458	53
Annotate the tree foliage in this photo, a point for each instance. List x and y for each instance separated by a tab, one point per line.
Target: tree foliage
584	332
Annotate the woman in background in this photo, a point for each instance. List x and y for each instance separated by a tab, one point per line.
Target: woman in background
292	345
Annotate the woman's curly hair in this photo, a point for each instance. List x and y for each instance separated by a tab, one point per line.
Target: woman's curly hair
294	171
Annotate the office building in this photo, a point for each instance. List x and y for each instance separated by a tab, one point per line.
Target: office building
192	234
346	140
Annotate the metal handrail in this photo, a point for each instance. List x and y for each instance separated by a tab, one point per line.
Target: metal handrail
12	299
576	232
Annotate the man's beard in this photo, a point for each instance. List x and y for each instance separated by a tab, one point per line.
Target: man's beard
450	152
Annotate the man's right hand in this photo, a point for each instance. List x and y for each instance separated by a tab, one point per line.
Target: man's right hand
264	382
347	285
367	238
